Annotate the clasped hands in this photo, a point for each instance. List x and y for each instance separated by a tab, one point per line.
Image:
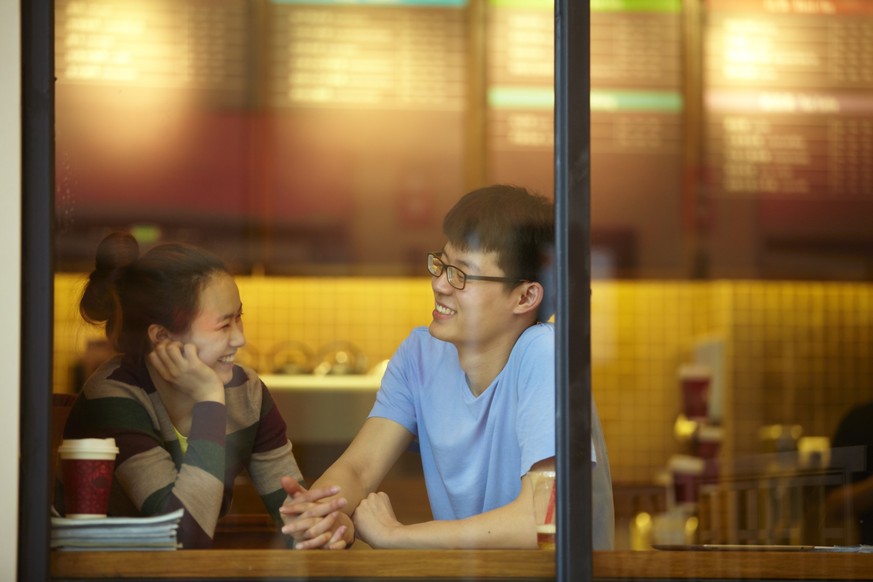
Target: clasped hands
314	518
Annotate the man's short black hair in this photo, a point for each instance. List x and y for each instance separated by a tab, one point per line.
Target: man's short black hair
513	222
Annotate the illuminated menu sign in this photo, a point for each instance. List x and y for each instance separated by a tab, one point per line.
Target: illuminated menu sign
520	66
787	94
405	54
367	103
636	101
179	44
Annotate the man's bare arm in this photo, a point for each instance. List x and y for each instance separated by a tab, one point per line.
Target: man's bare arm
510	526
314	516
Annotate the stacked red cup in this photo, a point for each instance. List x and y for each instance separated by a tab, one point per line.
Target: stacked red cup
87	466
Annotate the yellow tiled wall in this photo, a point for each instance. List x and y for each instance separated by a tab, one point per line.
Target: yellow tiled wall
793	352
641	333
801	353
374	314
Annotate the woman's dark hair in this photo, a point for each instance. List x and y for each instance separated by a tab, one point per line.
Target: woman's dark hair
129	293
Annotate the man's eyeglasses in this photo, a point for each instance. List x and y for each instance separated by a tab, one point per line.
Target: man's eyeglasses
455	276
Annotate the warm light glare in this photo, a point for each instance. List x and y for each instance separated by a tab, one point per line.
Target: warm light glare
747	49
143	52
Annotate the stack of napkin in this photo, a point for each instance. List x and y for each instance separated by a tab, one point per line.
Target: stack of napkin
116	533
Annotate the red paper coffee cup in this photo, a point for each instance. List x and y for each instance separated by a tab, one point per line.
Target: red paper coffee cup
544	499
694	380
87	466
708	441
687	473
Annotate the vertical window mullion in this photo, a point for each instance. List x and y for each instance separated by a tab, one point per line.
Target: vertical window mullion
573	270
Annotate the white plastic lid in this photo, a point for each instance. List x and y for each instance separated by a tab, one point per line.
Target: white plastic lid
686	464
101	446
710	433
694	371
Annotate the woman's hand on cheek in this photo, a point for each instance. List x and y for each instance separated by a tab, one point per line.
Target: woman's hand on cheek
180	365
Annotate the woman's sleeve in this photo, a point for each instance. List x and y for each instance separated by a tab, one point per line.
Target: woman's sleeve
272	456
145	470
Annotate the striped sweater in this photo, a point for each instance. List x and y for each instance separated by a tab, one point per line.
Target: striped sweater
153	476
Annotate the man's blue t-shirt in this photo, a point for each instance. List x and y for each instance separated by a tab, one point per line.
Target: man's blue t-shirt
474	450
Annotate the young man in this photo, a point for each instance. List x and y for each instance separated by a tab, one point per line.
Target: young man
475	390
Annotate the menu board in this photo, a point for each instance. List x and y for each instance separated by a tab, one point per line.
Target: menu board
789	113
520	76
385	55
178	44
368	104
345	119
636	113
318	122
150	126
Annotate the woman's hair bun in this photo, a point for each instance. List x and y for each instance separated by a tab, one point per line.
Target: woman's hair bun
115	252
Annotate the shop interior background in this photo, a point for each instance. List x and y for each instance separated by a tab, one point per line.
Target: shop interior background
317	145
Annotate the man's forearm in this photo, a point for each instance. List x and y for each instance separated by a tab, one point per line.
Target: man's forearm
349	483
468	533
510	526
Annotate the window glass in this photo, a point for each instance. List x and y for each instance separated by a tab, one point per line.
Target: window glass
316	147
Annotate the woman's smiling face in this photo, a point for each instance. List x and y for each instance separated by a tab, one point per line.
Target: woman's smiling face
217	330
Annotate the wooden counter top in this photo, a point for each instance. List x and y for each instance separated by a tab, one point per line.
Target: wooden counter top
368	383
474	564
747	565
291	565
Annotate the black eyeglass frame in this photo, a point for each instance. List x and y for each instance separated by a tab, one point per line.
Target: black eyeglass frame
434	257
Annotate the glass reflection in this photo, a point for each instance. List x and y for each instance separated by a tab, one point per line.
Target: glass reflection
730	217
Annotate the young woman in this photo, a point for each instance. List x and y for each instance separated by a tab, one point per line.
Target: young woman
187	420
